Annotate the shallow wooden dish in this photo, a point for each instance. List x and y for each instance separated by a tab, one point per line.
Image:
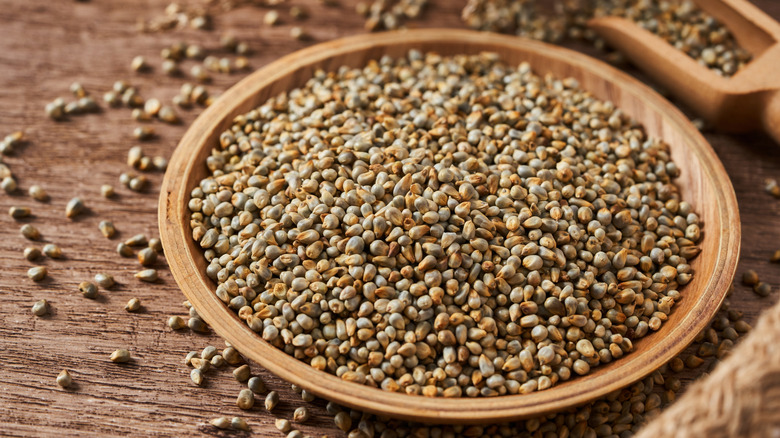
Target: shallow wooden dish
704	183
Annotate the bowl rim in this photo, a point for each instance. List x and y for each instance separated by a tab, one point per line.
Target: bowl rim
175	235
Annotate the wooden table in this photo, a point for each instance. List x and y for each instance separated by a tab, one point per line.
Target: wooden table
45	46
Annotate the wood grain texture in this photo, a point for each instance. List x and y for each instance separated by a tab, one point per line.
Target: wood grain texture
704	183
744	102
46	46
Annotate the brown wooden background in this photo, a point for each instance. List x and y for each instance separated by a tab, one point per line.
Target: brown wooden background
45	46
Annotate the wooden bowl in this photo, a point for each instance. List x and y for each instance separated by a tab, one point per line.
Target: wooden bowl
704	183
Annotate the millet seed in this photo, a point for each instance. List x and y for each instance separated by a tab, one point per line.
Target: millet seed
168	115
160	163
37	273
138	184
197	325
38	193
147	275
221	422
232	356
176	322
137	240
147	257
56	109
307	396
203	365
171	68
133	305
78	90
139	64
271	400
88	289
762	289
134	155
40	308
196	376
52	251
30	232
771	187
19	212
242	373
298	12
156	245
208	352
194	51
218	361
74	208
64	379
301	415
145	163
140	115
144	133
8	184
123	250
256	385
111	98
239	423
106	281
283	425
343	421
245	399
120	356
750	278
297	32
188	359
107	191
32	253
271	18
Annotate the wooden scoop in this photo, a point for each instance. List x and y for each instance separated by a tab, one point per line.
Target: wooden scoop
747	101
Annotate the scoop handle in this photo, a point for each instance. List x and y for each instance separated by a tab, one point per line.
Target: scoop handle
771	115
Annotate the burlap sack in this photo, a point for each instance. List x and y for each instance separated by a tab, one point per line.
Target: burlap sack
741	398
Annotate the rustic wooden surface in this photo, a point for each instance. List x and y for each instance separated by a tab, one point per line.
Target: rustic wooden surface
47	45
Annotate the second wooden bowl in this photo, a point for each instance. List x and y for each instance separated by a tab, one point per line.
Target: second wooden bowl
704	183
